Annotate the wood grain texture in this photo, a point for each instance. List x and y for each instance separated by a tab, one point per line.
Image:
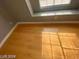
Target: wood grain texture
43	41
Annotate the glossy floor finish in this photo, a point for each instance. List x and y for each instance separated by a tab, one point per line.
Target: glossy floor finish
43	41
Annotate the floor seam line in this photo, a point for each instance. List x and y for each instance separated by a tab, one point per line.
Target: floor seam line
51	46
61	45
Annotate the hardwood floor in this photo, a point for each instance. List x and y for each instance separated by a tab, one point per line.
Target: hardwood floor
43	41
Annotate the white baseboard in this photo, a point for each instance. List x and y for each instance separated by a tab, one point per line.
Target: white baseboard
7	36
49	22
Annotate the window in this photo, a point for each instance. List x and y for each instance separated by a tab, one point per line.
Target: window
45	3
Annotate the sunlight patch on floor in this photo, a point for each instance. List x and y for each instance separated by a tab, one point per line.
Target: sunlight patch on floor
54	43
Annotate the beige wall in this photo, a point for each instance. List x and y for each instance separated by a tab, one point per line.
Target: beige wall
52	18
6	21
19	9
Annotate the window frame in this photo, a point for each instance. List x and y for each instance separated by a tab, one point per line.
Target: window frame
36	6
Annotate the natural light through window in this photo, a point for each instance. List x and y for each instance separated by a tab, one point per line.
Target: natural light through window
45	3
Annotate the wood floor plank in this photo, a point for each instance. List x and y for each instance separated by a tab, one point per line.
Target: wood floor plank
46	52
71	53
42	41
57	52
69	40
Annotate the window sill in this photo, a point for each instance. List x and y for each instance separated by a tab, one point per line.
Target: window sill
54	13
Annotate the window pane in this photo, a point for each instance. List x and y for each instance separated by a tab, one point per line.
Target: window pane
50	2
44	3
60	2
66	1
